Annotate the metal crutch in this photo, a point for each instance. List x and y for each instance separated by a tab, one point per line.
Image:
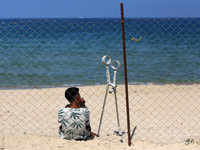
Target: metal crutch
113	85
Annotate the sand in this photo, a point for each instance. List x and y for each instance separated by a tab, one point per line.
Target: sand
37	142
161	117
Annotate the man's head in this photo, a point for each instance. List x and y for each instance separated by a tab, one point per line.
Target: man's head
71	93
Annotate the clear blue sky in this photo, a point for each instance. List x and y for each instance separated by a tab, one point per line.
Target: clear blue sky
98	8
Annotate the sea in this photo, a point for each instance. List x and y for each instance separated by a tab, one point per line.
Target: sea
58	52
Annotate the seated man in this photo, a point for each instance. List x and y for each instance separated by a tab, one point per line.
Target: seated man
75	117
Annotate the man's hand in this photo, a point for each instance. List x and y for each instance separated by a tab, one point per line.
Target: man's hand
82	104
93	134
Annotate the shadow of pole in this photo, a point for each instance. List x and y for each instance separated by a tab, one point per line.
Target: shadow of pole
133	132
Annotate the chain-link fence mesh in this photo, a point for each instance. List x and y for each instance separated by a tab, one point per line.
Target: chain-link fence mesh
41	58
167	52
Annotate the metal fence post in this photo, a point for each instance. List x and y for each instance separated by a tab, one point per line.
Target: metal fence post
125	74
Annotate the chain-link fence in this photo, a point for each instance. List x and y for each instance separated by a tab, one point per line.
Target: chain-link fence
41	58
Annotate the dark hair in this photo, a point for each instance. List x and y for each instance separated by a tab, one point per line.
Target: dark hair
70	93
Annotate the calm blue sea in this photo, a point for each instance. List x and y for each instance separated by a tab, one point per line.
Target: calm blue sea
65	52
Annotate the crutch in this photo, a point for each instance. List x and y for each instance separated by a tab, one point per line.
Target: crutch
113	85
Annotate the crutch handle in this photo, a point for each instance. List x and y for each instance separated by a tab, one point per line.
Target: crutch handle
111	90
113	87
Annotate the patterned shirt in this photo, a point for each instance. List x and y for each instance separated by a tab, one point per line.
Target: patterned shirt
73	123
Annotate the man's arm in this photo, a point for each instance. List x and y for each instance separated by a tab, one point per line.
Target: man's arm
88	127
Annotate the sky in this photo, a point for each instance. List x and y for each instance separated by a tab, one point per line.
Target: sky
99	8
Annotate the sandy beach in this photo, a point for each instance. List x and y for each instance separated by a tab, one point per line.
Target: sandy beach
161	117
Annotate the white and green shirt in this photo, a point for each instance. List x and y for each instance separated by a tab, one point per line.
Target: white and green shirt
73	123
